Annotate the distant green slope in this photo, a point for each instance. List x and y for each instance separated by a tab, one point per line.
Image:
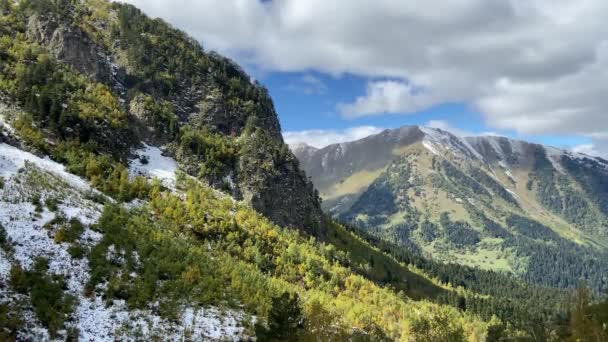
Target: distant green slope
87	82
487	202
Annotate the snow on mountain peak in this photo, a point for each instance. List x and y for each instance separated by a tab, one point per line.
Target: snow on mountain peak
439	138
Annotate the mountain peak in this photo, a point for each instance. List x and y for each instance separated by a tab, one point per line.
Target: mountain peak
299	146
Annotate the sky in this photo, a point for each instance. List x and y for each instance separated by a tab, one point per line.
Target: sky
343	69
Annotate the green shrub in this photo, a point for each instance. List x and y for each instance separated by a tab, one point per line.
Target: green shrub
52	203
70	232
50	303
36	202
77	251
11	321
215	153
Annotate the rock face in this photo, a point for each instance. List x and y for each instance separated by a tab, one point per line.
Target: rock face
214	114
287	197
215	95
70	45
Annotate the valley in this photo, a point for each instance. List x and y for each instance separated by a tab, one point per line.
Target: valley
487	202
147	193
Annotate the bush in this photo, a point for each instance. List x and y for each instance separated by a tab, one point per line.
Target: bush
52	203
36	202
437	326
10	321
70	232
50	303
285	320
215	153
77	251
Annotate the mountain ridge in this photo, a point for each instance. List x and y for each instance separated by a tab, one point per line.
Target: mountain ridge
498	192
174	99
298	146
141	183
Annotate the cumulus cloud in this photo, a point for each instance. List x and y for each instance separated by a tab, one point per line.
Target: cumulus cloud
387	97
309	85
444	125
322	138
531	66
599	147
586	149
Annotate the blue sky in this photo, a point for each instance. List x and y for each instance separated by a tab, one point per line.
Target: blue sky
343	69
304	104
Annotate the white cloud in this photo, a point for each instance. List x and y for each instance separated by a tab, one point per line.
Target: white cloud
322	138
309	85
531	66
387	97
444	125
588	149
598	147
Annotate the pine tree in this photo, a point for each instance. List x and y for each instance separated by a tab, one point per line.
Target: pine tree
583	326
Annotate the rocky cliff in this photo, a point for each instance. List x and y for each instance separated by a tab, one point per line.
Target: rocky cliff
165	82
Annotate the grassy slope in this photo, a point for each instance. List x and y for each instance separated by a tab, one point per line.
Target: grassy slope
431	200
251	262
382	267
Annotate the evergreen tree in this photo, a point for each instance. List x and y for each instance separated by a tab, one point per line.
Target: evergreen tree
285	319
583	325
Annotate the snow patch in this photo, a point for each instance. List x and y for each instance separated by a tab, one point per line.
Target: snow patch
512	193
85	214
4	124
509	174
152	164
450	142
554	155
5	266
429	146
12	159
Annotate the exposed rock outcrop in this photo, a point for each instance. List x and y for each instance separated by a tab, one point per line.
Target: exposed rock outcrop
71	46
206	99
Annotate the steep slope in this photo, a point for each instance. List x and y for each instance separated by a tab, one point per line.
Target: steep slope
47	218
132	163
101	77
75	263
96	99
489	202
342	171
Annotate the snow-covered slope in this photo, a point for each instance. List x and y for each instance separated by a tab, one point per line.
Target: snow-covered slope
435	139
151	163
30	185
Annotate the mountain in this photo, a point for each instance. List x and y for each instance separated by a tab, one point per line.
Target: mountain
491	202
146	193
150	82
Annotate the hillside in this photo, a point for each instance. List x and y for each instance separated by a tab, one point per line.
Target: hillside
100	78
141	177
490	202
146	193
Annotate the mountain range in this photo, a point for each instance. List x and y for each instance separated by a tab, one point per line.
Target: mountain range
485	201
146	193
